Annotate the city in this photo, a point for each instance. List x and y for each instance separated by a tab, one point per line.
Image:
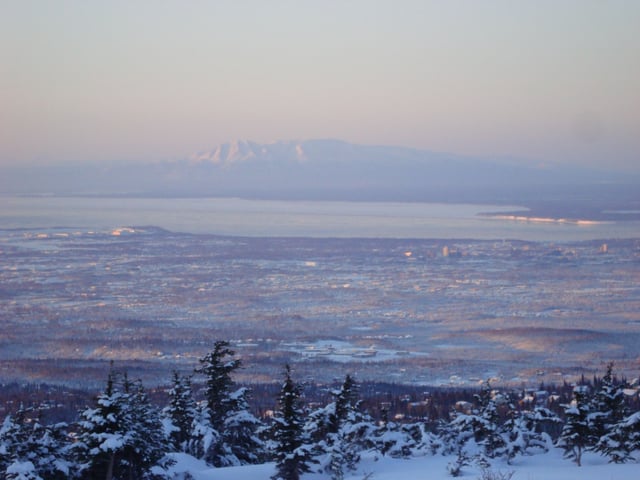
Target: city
432	312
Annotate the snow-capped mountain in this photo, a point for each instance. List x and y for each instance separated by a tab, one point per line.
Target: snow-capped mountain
301	151
227	154
323	169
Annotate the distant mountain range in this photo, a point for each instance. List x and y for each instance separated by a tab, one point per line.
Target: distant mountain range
323	169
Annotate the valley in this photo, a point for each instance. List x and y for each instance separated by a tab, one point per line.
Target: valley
433	312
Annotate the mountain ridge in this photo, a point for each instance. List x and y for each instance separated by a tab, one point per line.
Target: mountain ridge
330	169
239	150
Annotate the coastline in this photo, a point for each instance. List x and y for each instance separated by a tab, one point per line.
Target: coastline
239	217
532	219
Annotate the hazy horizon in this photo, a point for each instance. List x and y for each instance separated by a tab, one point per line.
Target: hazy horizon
193	154
547	81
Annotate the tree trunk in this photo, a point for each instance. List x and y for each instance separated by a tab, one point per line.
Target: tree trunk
112	460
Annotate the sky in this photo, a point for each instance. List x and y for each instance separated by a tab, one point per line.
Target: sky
554	81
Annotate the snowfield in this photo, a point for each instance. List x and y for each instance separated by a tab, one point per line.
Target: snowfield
549	466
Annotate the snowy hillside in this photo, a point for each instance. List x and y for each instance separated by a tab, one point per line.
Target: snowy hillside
550	466
125	436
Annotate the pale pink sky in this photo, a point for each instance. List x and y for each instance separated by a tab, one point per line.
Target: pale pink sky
555	81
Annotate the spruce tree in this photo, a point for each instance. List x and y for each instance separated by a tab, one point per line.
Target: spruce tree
240	427
291	452
344	449
481	425
458	433
488	428
575	437
11	437
621	440
204	439
181	412
29	449
225	428
346	400
50	451
337	431
608	410
630	428
146	444
217	367
102	434
121	438
523	432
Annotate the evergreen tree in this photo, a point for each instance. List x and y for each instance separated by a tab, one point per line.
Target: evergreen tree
327	420
225	429
217	367
352	430
49	449
121	438
29	449
481	426
458	433
11	436
403	440
102	434
630	428
622	440
181	413
346	400
204	439
487	426
338	431
576	433
292	453
524	432
240	427
147	443
608	410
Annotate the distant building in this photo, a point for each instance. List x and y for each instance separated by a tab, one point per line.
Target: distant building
462	406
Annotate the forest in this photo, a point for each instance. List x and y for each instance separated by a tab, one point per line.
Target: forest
127	433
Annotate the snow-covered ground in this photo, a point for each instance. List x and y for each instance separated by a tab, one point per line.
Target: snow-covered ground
550	466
